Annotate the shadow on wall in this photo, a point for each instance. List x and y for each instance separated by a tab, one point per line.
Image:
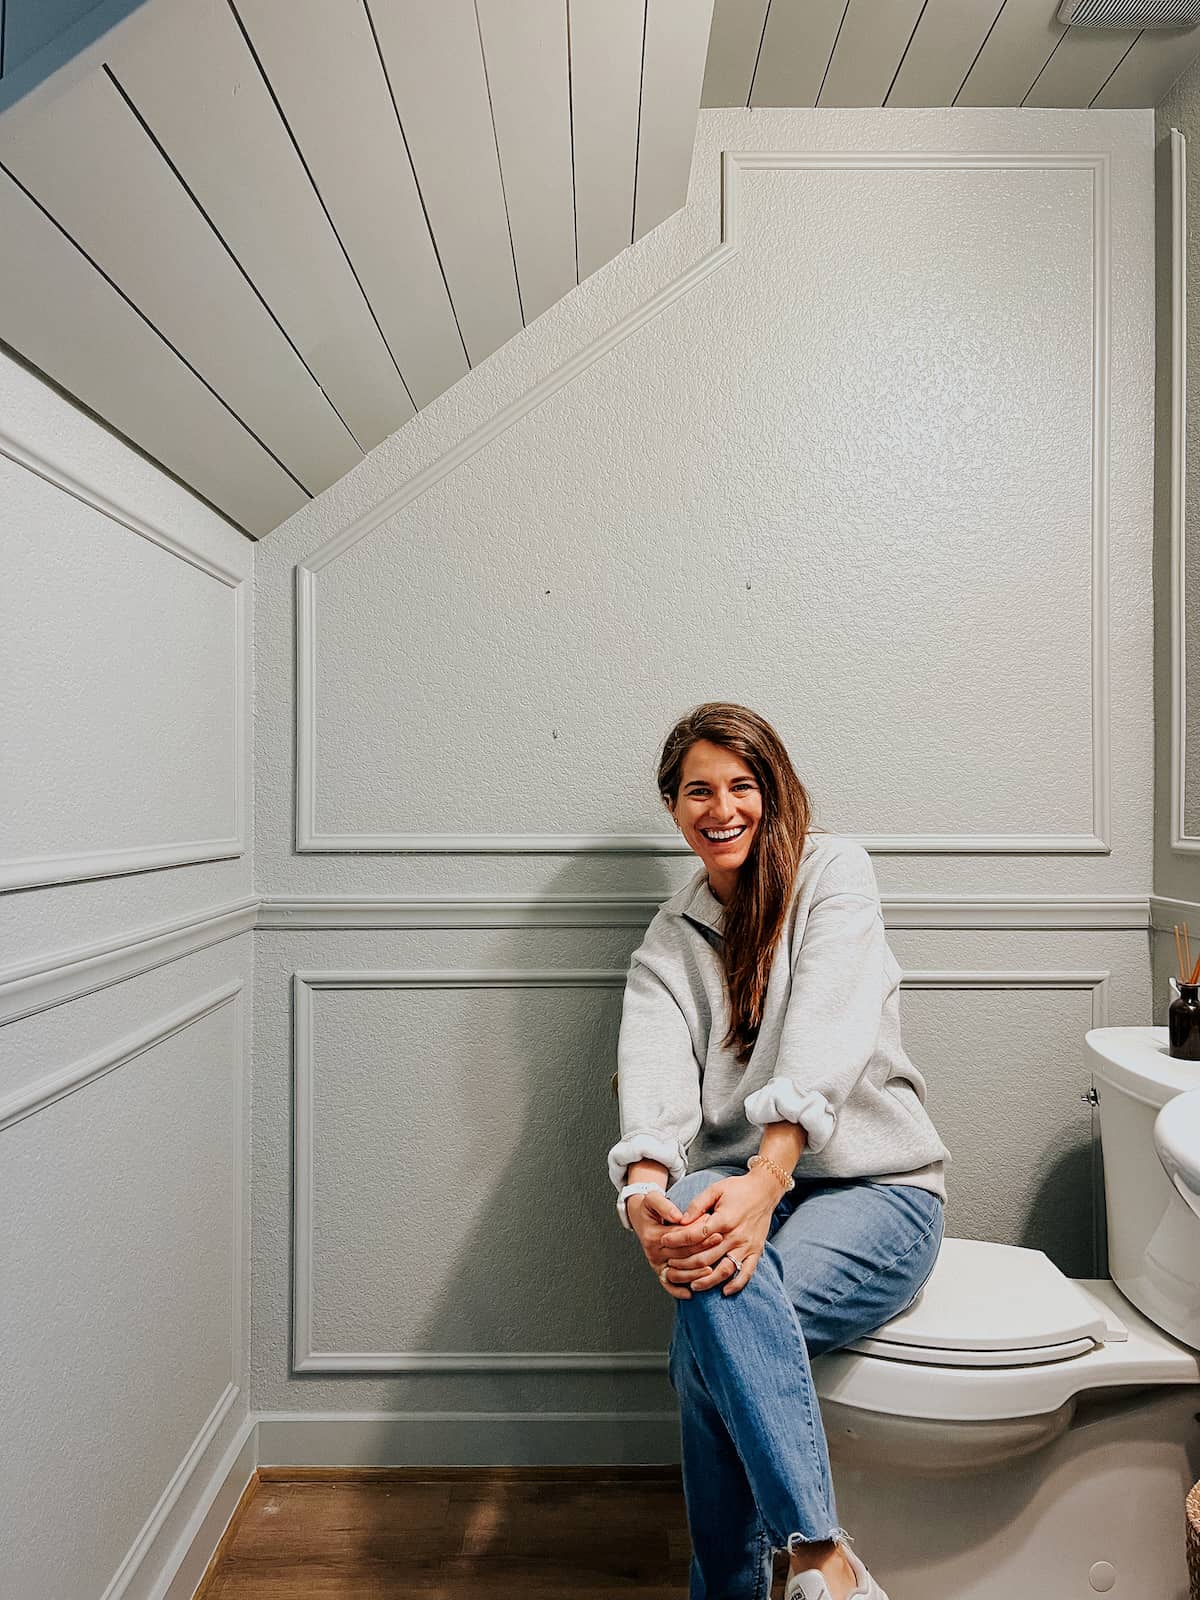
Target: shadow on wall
1056	1221
519	1250
543	1264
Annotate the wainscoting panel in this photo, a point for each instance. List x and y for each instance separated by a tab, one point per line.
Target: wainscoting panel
458	1099
141	760
122	1179
763	551
444	1105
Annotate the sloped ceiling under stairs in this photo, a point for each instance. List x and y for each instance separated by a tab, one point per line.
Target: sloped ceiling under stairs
256	236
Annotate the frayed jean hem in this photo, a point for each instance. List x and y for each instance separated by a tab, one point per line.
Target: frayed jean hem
796	1541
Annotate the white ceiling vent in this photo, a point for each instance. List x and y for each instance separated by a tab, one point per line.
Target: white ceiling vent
1130	13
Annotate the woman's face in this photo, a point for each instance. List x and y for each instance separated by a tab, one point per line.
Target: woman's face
718	809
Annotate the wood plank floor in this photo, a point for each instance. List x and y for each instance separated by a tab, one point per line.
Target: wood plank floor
456	1533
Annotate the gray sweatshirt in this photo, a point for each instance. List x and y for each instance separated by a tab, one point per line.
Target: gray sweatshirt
828	1053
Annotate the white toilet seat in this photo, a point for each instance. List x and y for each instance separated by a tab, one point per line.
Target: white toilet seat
994	1305
1033	1356
913	1367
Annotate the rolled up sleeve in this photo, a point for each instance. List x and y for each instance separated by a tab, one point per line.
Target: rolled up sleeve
832	1023
658	1078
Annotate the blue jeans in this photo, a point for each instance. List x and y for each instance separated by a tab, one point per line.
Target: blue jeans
841	1259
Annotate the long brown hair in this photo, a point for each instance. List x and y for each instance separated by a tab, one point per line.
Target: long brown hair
762	892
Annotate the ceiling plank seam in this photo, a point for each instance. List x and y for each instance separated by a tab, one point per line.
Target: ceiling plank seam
287	127
416	179
571	120
758	54
223	242
982	47
637	146
134	307
904	52
499	160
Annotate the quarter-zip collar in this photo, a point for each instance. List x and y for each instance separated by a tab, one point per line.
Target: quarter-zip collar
698	903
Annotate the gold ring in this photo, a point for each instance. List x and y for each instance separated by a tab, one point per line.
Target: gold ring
663	1270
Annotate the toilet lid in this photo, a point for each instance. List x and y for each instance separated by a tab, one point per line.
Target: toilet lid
994	1305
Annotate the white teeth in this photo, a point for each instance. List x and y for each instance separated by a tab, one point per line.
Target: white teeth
718	836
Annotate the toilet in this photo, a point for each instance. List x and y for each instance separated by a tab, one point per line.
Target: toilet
1016	1431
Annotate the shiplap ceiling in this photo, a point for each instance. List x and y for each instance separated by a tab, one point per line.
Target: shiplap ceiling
255	236
933	53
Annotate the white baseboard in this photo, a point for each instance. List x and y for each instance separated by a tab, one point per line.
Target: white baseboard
182	1570
200	1498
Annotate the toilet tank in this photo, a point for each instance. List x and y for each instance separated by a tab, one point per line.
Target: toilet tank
1153	1236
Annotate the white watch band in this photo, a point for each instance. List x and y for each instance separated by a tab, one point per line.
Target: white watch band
632	1189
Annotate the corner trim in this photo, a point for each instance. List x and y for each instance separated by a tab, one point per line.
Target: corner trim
44	1091
68	974
1184	843
1166	912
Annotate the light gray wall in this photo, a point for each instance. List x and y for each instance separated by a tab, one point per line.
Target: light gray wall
125	987
1177	552
877	461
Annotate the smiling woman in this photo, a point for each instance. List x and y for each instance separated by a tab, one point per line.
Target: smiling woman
761	1075
718	811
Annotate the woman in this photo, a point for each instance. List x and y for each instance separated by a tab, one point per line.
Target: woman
775	1161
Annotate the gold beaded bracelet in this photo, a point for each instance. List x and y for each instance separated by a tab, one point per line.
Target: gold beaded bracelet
785	1178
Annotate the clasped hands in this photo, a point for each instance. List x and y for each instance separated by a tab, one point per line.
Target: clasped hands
729	1219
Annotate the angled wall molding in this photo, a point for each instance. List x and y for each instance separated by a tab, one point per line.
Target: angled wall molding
34	871
306	984
311	839
1181	840
44	1091
68	974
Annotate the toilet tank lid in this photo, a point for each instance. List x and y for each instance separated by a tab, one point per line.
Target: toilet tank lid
1137	1061
984	1296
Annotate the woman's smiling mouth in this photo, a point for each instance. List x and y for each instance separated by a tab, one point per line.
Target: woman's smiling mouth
722	835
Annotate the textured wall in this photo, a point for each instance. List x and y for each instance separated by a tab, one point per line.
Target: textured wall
1177	581
121	655
123	1083
876	460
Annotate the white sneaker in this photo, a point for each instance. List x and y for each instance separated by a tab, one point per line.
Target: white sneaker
812	1586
